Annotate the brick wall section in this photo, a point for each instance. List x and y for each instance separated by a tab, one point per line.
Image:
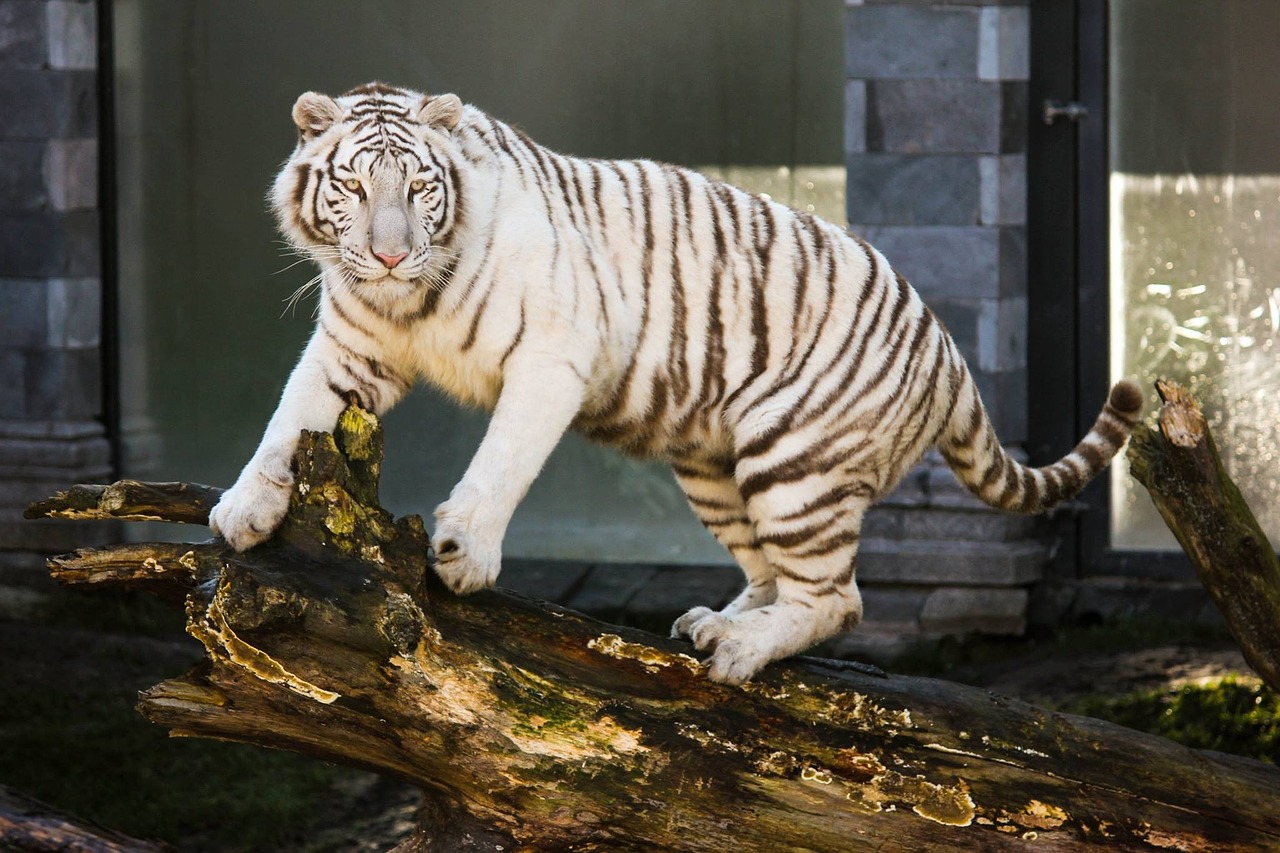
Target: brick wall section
935	135
50	285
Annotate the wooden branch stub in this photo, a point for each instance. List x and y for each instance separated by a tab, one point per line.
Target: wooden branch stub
1181	419
165	570
1181	468
531	725
130	500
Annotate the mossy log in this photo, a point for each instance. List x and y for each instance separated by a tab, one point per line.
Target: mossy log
529	726
1180	467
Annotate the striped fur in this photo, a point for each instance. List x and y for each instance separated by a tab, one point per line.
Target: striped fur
789	375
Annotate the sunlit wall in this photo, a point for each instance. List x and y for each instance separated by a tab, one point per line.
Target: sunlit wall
1195	221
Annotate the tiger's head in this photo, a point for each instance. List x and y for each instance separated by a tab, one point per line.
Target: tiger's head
372	190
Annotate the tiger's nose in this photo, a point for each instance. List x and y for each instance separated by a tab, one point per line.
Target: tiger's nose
391	261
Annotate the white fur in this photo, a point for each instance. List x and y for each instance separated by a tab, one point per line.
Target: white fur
780	365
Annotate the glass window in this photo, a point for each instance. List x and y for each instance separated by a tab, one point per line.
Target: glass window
751	91
1195	231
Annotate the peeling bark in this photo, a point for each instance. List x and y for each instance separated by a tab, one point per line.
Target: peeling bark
1180	467
528	725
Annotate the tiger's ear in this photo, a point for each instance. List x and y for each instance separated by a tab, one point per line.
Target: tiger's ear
442	111
315	113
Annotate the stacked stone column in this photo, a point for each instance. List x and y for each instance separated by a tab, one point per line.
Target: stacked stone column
936	110
51	432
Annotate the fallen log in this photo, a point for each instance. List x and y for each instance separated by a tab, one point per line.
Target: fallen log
528	725
1180	467
32	827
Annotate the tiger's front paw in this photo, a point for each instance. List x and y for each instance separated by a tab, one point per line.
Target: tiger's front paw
737	652
251	510
464	561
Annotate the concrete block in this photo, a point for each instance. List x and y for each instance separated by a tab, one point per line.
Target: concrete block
22	182
1005	396
941	261
1004	189
903	41
73	34
960	525
13	397
868	645
24	318
1013	261
48	104
63	383
549	580
74	316
1109	599
956	563
961	317
855	117
1004	43
888	609
1002	334
672	591
50	244
606	590
906	190
71	173
883	522
934	116
22	34
49	463
964	610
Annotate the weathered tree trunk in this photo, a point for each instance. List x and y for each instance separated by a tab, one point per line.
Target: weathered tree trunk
1180	467
530	725
29	825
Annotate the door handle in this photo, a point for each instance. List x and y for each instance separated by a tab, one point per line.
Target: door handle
1069	110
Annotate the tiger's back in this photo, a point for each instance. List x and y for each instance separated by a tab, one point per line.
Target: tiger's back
781	365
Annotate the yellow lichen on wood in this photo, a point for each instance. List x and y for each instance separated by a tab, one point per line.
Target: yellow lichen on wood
1040	816
221	641
653	659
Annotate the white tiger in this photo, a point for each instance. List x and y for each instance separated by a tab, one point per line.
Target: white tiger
780	365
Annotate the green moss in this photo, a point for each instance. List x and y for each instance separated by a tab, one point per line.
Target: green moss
1230	715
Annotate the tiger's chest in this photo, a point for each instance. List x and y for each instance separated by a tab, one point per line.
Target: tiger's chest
470	374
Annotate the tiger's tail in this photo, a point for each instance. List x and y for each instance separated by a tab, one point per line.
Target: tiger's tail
970	446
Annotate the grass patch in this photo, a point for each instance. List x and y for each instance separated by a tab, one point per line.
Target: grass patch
1233	715
70	736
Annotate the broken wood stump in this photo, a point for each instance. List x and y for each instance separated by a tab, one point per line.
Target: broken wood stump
1180	467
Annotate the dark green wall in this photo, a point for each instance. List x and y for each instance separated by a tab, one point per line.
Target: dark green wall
1193	86
205	89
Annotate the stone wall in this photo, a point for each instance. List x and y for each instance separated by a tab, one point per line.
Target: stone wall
935	141
51	432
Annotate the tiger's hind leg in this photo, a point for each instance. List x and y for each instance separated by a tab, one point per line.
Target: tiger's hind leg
808	525
716	501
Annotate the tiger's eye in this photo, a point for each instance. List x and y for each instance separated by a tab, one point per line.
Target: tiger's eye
417	185
352	184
